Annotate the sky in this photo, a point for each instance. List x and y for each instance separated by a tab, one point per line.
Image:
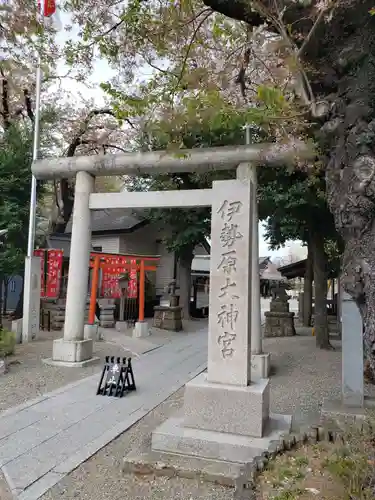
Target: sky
103	72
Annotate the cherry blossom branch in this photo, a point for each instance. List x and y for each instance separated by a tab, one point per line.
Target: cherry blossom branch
195	32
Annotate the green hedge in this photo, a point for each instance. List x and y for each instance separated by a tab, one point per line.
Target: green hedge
7	342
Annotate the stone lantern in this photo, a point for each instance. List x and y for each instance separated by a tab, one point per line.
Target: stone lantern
279	320
168	315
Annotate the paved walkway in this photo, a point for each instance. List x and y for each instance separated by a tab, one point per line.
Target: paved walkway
46	438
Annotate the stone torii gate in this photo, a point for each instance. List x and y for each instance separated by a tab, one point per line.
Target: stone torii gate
73	348
231	385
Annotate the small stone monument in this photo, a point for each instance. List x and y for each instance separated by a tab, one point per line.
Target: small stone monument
279	320
225	415
107	317
168	315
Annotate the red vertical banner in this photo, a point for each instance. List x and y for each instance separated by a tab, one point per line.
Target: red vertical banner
105	290
41	253
49	7
54	272
116	290
110	281
133	280
115	263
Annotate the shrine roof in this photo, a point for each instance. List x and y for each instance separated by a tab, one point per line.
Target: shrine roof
114	220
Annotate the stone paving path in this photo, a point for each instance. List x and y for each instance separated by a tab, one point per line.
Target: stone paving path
46	438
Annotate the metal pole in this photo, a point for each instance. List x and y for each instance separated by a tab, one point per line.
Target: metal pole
31	300
31	235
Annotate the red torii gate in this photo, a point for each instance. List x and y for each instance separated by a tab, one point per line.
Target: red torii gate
119	264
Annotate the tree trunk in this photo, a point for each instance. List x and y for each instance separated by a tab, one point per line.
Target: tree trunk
64	199
5	296
320	285
307	289
349	138
2	293
185	260
336	46
18	313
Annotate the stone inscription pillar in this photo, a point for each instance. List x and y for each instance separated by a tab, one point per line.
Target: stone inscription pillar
229	342
260	361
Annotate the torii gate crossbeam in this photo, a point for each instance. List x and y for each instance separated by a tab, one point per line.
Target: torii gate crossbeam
72	348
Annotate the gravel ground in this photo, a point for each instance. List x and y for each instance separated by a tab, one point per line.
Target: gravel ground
28	377
302	377
101	477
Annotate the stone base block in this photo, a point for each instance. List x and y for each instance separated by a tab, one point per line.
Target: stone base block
107	324
227	408
174	437
335	411
279	324
141	329
91	332
143	461
17	330
122	326
68	364
3	368
260	366
168	318
72	352
107	319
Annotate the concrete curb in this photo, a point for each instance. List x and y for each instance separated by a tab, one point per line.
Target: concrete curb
240	477
245	483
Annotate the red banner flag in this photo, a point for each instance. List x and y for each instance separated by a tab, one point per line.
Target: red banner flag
110	279
41	253
49	7
54	272
133	280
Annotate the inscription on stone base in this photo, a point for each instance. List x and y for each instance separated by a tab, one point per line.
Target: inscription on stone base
230	284
279	324
168	318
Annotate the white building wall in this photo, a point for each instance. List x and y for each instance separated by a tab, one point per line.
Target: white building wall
147	240
109	244
164	272
143	241
140	242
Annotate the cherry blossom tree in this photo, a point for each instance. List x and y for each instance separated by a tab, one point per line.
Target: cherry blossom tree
324	52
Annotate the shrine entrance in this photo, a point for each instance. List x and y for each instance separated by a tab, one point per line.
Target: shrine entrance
123	277
73	348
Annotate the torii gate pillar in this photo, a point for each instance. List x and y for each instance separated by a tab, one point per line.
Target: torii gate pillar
73	349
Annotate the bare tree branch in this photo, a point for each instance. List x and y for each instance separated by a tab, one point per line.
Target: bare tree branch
28	105
5	100
83	128
195	32
106	146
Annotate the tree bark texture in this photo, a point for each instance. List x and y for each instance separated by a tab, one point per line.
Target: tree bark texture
336	47
2	291
5	296
348	138
307	289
